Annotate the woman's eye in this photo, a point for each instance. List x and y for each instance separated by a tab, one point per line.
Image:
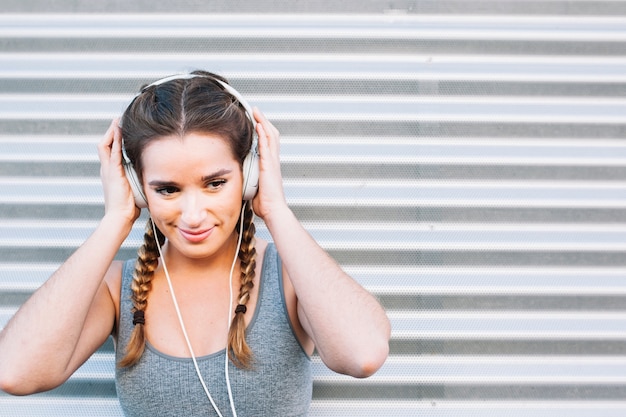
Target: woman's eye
166	190
215	185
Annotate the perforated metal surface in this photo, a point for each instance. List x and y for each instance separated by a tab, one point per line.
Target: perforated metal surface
465	161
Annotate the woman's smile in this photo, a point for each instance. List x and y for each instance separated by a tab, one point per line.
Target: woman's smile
195	236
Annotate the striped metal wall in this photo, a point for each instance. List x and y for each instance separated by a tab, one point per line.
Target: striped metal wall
464	160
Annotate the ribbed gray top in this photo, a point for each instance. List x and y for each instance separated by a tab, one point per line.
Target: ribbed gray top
279	385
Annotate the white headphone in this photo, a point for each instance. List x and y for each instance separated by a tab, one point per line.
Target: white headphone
250	163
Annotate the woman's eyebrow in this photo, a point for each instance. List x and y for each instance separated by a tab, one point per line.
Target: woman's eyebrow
160	183
218	173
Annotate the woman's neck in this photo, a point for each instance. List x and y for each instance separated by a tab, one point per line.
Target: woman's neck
217	264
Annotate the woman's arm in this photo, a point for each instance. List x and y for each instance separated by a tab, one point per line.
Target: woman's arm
347	324
62	323
73	312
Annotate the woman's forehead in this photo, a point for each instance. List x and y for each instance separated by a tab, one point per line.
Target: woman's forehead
192	149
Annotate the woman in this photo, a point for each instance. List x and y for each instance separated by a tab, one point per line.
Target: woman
173	310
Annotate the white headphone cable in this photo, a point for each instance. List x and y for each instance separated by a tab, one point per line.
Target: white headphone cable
182	324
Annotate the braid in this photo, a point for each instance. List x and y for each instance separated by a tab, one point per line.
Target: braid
147	262
238	350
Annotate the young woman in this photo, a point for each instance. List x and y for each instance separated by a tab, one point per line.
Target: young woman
207	319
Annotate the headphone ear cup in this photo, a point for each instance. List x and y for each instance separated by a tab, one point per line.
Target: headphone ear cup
135	185
250	174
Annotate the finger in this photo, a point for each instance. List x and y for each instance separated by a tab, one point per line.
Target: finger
263	141
258	115
261	118
269	132
107	138
104	146
116	146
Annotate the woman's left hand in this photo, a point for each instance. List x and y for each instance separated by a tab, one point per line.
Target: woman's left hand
271	197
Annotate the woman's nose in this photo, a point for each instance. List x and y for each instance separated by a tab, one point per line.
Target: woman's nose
193	211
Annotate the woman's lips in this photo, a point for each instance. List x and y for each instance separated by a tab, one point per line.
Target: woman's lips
195	236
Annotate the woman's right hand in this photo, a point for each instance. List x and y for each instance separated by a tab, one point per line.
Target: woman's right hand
118	196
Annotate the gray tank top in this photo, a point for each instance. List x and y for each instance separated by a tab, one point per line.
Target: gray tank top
280	384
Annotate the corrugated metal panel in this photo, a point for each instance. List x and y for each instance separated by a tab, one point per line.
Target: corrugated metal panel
464	160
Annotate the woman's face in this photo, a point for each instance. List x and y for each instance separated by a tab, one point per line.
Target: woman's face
193	186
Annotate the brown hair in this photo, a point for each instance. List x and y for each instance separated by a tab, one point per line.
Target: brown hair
179	107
